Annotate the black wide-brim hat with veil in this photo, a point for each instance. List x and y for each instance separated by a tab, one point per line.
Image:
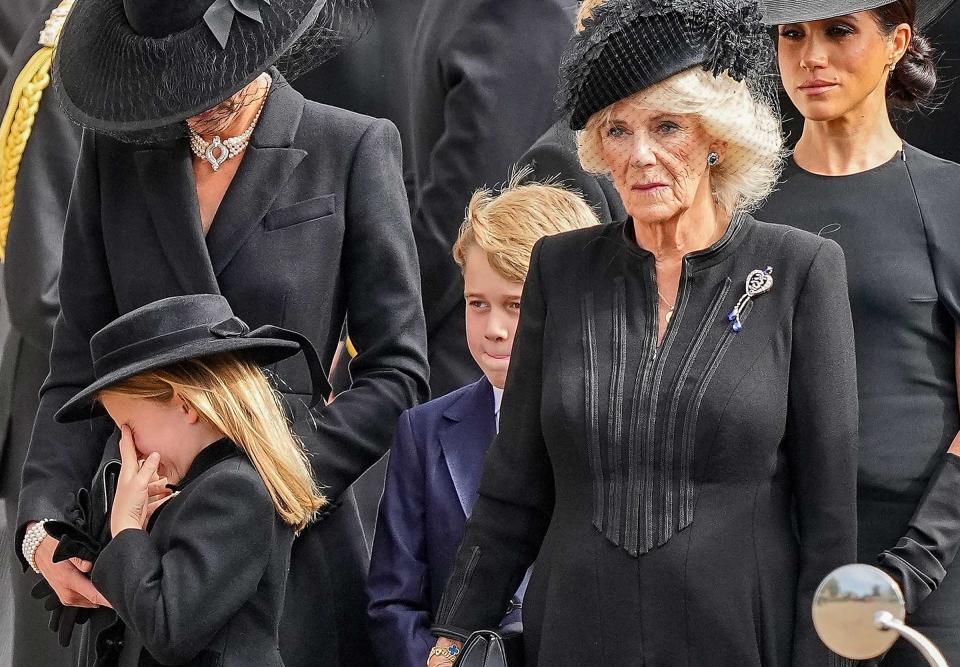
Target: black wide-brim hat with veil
779	12
125	67
629	45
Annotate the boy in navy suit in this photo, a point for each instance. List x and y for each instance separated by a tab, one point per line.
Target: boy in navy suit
437	456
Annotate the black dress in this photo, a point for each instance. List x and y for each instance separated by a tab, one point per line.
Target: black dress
658	483
903	296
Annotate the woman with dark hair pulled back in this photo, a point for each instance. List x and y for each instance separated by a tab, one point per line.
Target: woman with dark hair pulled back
847	65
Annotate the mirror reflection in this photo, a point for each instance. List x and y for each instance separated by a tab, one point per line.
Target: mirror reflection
845	608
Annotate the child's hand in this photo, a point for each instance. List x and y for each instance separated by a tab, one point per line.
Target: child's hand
132	505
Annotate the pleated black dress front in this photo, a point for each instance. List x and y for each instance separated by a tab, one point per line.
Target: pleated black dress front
685	499
899	228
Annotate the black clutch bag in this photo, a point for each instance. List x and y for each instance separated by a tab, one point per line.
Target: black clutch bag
486	648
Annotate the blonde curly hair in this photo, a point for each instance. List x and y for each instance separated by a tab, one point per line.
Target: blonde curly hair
729	113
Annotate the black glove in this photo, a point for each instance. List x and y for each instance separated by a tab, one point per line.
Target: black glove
63	619
922	556
82	535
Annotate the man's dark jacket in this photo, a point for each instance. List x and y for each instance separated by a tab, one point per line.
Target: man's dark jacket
485	79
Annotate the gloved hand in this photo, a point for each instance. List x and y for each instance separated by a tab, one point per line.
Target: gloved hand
921	557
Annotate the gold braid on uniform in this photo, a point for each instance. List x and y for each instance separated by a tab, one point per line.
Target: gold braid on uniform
21	112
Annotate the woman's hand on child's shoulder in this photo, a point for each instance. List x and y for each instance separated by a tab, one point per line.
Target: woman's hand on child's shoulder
140	490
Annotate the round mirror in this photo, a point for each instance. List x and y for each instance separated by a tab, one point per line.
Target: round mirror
845	607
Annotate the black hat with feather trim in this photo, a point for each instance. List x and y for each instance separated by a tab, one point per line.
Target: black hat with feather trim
630	45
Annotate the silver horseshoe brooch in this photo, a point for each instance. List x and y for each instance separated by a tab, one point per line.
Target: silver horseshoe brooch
758	282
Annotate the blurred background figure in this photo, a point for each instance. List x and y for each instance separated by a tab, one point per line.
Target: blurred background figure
554	156
373	75
38	153
484	80
15	18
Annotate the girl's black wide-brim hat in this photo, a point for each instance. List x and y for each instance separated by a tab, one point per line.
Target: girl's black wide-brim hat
128	66
779	12
176	329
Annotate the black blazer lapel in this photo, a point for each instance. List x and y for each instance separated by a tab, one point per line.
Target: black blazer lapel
466	440
268	164
166	176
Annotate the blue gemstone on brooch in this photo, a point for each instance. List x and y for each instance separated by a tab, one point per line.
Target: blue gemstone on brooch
758	282
453	650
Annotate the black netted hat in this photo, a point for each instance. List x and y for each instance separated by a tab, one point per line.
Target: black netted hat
630	45
778	12
128	66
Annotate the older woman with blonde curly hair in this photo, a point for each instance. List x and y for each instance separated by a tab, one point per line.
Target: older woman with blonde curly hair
677	445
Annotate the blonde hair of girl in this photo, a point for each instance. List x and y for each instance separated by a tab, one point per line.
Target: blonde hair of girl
233	394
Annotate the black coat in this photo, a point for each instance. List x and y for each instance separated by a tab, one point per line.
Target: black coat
485	77
30	274
657	483
222	529
16	19
313	230
554	157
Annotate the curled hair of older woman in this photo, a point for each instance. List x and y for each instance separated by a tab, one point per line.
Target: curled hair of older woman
730	113
234	395
506	224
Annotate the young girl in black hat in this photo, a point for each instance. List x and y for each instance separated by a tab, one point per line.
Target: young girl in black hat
197	576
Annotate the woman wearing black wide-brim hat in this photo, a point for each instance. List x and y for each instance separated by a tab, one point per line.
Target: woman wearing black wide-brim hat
202	171
849	66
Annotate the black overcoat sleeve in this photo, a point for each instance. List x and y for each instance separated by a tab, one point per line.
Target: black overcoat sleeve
821	438
384	317
176	602
64	457
515	502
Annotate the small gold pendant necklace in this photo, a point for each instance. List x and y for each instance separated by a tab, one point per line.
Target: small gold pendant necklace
670	306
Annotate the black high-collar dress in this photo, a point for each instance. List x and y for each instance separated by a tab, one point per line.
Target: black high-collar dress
898	228
685	499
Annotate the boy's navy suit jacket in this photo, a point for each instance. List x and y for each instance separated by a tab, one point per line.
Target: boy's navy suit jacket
431	486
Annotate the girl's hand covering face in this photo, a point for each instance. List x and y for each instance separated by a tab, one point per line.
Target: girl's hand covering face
140	490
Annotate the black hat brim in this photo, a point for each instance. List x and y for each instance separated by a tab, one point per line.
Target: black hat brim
781	12
262	351
109	78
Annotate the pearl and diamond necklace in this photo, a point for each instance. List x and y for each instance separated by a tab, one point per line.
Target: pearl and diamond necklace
219	150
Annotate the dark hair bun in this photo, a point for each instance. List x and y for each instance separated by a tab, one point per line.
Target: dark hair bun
914	82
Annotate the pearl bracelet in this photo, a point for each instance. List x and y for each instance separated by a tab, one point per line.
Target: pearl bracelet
31	541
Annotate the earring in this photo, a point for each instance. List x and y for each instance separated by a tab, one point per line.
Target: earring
893	66
713	159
